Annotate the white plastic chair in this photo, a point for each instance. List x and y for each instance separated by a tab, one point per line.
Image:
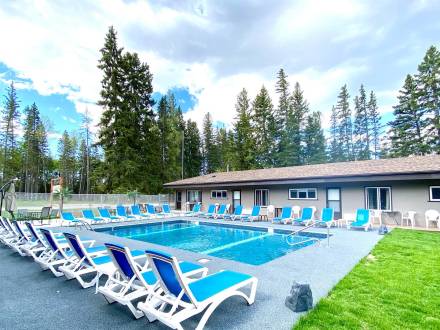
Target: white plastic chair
409	217
432	216
270	212
376	215
296	212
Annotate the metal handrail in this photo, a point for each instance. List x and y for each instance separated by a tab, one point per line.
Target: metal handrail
87	225
294	233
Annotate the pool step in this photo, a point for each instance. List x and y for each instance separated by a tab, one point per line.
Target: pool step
227	246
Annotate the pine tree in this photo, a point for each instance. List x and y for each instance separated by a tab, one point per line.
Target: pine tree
295	127
192	150
406	130
10	121
375	126
345	124
210	150
361	132
314	139
264	127
128	132
335	145
243	135
67	150
224	141
428	89
282	115
35	151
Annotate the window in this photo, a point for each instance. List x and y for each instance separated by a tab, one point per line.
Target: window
434	194
220	194
378	198
303	193
193	196
262	197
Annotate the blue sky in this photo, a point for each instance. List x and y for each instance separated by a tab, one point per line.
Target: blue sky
207	51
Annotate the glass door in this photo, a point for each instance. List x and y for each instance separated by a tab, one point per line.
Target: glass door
236	199
334	201
178	200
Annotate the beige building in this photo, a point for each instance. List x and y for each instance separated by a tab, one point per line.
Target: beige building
394	186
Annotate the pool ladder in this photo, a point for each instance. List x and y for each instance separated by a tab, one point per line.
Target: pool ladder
85	225
296	232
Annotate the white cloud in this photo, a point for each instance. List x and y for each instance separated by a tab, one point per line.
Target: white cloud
214	49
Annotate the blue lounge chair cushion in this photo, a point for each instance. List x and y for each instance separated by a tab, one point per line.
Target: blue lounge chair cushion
359	223
185	267
211	285
95	249
105	259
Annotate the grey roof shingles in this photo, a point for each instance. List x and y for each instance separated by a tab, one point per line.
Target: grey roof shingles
390	166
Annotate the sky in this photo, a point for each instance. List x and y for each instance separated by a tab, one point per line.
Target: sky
207	51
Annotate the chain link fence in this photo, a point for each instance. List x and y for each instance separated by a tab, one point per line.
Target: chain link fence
38	199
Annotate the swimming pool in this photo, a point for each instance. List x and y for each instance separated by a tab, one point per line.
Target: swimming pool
250	245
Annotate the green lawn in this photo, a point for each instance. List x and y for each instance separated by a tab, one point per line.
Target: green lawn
397	289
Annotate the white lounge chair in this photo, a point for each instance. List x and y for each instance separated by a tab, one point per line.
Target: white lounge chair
180	298
255	214
286	216
88	262
236	215
307	216
132	281
362	220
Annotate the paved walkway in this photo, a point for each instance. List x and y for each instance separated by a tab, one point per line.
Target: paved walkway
30	298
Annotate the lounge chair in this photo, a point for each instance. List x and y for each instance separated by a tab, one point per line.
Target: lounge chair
254	215
187	298
152	211
11	236
362	220
166	211
69	218
89	262
37	244
136	211
122	213
327	217
132	281
307	216
90	217
195	211
220	213
236	215
55	255
105	213
209	212
286	215
23	239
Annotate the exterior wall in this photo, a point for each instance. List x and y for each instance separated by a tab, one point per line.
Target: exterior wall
405	196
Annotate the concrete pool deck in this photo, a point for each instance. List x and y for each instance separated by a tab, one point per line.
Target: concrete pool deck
32	299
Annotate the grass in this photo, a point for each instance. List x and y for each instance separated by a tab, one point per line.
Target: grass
396	287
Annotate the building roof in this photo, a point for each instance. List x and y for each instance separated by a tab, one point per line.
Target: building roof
365	168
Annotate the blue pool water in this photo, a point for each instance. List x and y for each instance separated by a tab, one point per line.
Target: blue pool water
249	245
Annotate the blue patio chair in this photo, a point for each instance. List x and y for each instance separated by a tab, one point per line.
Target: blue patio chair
220	213
286	215
178	299
307	216
152	211
136	211
327	217
122	213
88	215
70	218
362	220
132	281
236	215
254	215
105	213
209	212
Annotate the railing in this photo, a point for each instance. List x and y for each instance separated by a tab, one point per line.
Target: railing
296	232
